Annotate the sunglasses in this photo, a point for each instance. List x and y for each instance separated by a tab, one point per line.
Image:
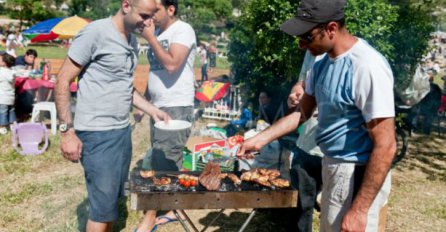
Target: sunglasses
309	37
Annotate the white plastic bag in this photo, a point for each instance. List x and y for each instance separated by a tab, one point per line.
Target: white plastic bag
419	87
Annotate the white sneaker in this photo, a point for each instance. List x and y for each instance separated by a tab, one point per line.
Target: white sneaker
3	131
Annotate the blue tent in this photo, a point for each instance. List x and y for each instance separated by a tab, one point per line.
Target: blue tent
42	31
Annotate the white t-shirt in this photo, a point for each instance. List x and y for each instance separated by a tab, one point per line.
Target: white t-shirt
7	86
11	44
203	56
177	89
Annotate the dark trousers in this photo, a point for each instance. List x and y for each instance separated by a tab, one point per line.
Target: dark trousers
306	177
204	72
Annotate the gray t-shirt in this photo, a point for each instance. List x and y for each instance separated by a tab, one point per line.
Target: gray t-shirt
105	90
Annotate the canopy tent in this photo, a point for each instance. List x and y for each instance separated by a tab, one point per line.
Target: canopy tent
62	28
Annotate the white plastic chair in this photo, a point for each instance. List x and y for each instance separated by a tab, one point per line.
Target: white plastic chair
46	106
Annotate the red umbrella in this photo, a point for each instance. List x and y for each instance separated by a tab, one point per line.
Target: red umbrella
211	91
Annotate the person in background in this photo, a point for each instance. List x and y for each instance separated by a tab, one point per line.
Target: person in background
20	40
28	60
171	88
306	165
212	55
204	63
430	105
352	88
104	55
269	108
444	85
2	37
11	43
269	111
7	93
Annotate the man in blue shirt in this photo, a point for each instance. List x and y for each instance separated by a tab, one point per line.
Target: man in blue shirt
27	60
352	88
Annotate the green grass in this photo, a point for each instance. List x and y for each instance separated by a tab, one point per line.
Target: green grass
53	51
48	52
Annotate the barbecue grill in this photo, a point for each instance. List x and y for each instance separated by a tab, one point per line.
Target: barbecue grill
145	195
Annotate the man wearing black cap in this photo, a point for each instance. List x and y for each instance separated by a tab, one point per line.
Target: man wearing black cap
352	89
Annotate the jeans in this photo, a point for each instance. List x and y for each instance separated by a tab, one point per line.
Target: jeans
306	177
7	115
204	72
106	159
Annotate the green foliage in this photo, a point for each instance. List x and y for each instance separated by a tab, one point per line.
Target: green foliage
31	10
262	56
410	39
94	9
373	21
205	15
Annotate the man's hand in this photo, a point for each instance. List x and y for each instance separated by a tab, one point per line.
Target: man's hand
149	29
354	221
71	146
297	92
252	144
159	115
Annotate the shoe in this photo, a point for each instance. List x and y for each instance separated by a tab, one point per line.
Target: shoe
167	220
3	131
153	229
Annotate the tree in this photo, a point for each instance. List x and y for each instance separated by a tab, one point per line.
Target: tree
262	56
31	10
205	15
94	9
410	40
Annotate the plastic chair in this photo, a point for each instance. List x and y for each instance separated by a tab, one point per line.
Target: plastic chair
46	106
28	136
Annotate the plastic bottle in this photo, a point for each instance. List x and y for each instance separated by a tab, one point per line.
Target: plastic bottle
42	65
45	72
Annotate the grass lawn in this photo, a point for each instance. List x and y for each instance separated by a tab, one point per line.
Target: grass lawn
53	51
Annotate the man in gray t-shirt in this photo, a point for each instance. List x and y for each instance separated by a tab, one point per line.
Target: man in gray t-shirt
104	56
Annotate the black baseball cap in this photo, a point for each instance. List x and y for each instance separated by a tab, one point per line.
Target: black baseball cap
310	13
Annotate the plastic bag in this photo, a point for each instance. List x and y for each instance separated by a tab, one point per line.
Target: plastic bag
214	132
419	87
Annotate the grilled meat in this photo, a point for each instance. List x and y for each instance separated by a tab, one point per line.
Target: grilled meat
263	182
146	173
161	181
273	173
280	183
246	176
234	178
265	177
210	177
223	175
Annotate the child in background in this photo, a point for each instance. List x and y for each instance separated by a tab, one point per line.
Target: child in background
7	92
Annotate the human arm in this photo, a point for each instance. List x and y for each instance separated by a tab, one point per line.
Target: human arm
142	104
173	58
282	127
382	133
70	144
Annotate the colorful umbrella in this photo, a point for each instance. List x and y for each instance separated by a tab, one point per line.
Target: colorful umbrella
211	91
62	28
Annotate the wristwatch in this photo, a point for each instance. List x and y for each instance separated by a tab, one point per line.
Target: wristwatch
64	127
